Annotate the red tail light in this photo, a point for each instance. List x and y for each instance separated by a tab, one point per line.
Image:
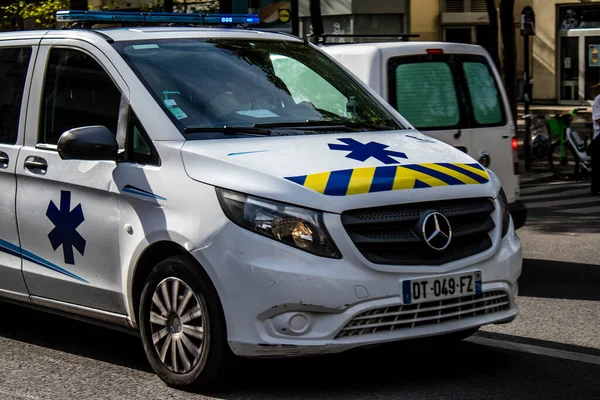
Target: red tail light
515	147
435	51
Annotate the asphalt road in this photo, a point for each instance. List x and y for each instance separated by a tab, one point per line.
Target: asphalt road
551	351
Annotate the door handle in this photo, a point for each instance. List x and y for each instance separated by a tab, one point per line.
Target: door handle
36	164
4	160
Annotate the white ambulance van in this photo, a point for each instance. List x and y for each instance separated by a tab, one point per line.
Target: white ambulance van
228	192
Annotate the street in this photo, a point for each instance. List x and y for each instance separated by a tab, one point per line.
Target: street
551	351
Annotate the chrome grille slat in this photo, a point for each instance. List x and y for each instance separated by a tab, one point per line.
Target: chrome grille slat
440	307
392	318
434	318
391	235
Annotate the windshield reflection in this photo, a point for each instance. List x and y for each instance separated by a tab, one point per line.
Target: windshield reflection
206	83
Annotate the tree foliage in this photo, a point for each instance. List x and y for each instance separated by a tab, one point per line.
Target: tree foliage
42	13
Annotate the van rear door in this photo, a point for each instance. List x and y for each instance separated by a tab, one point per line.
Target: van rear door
457	98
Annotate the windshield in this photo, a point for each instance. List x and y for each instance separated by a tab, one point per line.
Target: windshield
215	83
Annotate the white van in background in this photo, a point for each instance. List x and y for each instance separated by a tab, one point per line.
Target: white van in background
449	91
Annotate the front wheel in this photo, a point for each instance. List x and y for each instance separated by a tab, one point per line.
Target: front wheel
565	166
182	327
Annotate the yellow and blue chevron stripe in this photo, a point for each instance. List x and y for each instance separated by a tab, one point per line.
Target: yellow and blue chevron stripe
398	177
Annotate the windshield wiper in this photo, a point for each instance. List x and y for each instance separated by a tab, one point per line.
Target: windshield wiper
325	124
230	130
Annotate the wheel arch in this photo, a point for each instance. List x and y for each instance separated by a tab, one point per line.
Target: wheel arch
148	259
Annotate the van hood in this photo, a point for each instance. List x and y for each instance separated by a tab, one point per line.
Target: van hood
335	172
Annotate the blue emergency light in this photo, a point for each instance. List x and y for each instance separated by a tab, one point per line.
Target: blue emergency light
157	17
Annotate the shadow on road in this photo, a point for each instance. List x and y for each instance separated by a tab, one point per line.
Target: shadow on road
560	280
562	207
547	344
412	369
70	336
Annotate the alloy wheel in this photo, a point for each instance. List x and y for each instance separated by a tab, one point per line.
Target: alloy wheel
177	322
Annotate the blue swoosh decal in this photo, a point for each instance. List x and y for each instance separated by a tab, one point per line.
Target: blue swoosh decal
246	152
140	192
13	250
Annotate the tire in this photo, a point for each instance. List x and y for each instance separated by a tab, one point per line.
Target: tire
556	163
200	338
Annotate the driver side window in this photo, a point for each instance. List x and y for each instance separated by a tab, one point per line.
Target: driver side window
77	92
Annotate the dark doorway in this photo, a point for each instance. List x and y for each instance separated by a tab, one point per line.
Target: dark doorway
483	33
458	35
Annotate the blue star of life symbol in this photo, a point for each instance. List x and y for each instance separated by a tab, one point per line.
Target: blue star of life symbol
65	223
362	152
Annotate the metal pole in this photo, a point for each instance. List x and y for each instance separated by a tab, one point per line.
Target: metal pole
253	6
295	18
527	98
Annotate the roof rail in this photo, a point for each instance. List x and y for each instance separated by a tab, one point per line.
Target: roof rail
322	39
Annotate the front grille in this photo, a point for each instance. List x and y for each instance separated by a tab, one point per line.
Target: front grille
392	234
429	313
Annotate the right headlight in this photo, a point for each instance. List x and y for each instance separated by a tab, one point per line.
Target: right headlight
505	212
295	226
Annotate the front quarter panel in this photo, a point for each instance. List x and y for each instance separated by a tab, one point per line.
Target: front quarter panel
161	203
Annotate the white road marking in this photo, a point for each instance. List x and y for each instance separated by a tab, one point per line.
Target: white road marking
542	351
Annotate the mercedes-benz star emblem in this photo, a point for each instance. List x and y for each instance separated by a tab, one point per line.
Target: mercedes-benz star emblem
437	232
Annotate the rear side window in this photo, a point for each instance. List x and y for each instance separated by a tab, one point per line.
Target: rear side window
487	108
445	91
426	95
14	63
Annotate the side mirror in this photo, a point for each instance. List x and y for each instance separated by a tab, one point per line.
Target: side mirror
88	143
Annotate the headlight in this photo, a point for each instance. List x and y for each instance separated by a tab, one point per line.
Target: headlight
504	212
294	226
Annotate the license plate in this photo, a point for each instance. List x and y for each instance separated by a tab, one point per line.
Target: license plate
441	287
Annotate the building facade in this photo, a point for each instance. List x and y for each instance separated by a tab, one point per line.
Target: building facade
358	17
566	50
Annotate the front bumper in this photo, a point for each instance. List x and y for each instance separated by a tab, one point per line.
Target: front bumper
279	301
518	212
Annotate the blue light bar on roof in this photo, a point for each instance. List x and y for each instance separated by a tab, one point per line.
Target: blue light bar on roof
158	17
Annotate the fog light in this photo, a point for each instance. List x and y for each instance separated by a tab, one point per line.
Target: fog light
298	323
292	323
